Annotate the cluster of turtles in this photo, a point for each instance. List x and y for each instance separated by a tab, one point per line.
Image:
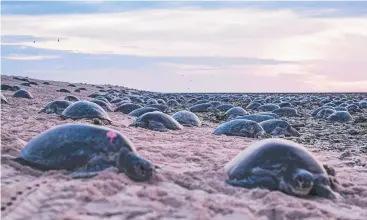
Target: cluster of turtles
271	163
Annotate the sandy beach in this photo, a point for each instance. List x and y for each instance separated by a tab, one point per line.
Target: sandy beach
190	184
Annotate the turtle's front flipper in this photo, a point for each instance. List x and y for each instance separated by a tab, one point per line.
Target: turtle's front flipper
157	126
255	182
91	169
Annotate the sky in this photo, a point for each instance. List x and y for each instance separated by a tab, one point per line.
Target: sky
189	46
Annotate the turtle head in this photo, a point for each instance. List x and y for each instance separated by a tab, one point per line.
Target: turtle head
301	182
135	167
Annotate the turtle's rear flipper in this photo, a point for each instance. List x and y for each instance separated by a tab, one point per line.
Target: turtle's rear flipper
157	126
255	182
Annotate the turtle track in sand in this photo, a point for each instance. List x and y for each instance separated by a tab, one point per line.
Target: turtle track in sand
191	183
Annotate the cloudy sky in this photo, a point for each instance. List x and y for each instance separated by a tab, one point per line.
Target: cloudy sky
190	46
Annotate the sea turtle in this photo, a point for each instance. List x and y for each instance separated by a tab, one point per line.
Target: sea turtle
224	107
22	93
106	106
324	113
72	85
255	117
77	90
340	116
162	108
314	112
279	127
3	99
85	109
340	109
72	98
268	107
126	108
253	105
57	106
203	107
15	88
285	104
269	114
286	111
151	101
240	127
187	118
26	84
173	103
161	102
33	83
353	108
157	121
63	90
7	87
46	83
140	111
362	104
85	150
279	164
234	112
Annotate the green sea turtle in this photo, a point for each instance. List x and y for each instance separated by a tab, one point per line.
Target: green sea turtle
23	94
162	108
172	103
278	164
57	106
140	111
203	107
269	114
33	83
253	105
286	111
7	87
279	127
46	83
268	107
151	101
324	113
72	98
126	108
85	150
285	104
26	84
187	118
240	127
234	112
63	90
157	121
224	107
314	112
340	116
362	104
85	109
106	106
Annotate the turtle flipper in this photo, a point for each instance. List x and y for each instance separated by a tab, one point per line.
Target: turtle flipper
326	192
255	182
157	126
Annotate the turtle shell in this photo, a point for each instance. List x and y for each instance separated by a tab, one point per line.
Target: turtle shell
23	94
187	118
57	106
85	109
240	127
70	146
270	152
140	111
168	122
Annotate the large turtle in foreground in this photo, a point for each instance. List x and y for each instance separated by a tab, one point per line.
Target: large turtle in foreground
85	150
85	109
278	164
157	121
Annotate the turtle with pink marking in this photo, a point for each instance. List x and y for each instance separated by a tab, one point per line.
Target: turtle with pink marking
85	150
